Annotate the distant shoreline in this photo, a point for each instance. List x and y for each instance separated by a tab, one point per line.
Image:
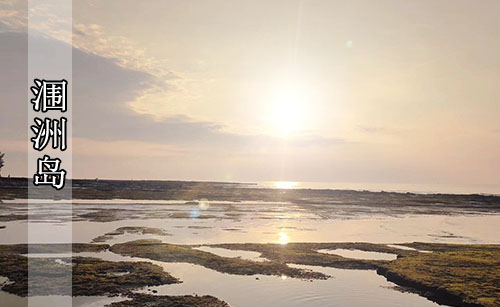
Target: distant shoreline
18	182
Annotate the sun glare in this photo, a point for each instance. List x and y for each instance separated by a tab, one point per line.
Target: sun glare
284	239
285	184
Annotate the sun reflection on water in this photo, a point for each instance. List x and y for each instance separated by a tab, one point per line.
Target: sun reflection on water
285	184
284	239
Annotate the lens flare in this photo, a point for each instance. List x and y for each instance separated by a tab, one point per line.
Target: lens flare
194	214
204	204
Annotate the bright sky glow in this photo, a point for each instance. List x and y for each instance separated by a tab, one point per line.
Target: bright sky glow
380	92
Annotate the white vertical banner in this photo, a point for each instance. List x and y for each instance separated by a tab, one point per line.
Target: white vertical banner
49	108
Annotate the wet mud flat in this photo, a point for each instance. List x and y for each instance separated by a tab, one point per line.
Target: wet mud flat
451	274
319	201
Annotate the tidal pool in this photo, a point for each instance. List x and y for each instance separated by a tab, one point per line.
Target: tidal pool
224	252
345	288
407	248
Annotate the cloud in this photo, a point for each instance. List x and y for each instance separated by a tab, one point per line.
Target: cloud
108	133
164	90
13	15
92	39
102	91
167	89
53	20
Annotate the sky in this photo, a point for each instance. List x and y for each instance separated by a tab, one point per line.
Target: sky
403	92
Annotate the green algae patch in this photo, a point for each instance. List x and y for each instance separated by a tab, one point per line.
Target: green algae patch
140	300
90	276
155	250
15	268
140	230
458	275
52	248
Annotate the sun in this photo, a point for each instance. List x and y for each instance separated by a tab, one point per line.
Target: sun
289	104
